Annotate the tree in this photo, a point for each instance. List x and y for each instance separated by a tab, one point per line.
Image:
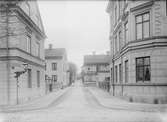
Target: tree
72	72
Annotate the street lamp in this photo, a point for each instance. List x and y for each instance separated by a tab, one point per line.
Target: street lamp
17	75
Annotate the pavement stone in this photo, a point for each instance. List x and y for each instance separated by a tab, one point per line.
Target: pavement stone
38	103
109	101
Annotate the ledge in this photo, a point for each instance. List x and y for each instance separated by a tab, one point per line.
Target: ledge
140	84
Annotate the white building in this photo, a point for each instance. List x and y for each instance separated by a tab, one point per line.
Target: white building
138	38
96	70
21	42
57	67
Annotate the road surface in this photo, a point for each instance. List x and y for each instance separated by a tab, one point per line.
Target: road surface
79	105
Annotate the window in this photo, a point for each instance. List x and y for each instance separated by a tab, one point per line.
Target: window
46	77
119	6
29	76
142	26
120	39
126	71
166	7
116	74
126	32
120	73
38	78
115	14
54	66
116	45
45	66
37	49
143	69
54	78
28	42
111	75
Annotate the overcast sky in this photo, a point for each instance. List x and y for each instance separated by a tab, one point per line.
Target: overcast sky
81	27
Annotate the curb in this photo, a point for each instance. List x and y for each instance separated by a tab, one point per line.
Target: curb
47	105
119	107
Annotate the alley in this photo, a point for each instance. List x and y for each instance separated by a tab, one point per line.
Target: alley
78	105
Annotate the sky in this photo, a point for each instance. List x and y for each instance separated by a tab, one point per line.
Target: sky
81	27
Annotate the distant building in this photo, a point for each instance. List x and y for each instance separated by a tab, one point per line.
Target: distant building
96	70
21	42
138	38
57	67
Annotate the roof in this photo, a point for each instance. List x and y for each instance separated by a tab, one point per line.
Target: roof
55	52
96	59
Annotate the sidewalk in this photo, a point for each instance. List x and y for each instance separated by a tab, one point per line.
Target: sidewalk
39	103
109	101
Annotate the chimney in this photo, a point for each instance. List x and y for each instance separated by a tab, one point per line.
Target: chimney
50	46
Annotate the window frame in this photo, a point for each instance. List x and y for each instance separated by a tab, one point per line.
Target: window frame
120	39
28	43
115	13
54	78
38	49
143	66
29	78
38	78
111	74
126	71
54	66
126	32
166	7
116	74
120	72
116	43
142	23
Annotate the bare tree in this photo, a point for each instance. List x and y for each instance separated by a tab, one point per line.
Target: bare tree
72	71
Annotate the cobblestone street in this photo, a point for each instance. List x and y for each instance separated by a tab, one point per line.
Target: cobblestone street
77	104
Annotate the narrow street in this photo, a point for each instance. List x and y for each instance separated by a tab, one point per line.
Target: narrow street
78	105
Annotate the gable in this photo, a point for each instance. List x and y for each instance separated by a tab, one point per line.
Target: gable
32	10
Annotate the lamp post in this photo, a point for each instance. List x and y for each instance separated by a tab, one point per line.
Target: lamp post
17	75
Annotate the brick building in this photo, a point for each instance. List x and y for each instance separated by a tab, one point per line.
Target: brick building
21	42
138	39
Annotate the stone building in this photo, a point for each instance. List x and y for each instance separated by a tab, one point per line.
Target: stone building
138	39
57	67
21	42
96	70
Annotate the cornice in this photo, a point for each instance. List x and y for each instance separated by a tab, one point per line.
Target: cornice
29	21
144	5
140	84
13	48
18	58
150	44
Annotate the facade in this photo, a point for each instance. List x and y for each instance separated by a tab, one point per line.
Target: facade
21	42
138	39
57	67
96	70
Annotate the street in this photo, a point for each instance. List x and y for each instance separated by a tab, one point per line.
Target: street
79	105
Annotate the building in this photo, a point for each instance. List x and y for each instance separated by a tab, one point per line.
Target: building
138	39
21	43
57	67
96	70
